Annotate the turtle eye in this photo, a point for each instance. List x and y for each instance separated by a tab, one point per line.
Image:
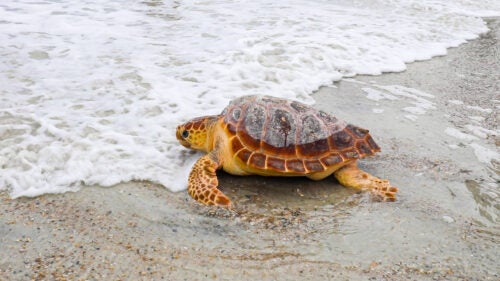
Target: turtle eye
185	134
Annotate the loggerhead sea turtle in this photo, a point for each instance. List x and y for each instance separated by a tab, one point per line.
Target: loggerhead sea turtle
269	136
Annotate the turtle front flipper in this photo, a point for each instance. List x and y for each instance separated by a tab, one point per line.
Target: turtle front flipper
202	185
351	176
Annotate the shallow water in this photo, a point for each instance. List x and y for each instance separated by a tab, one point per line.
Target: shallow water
446	222
92	91
437	124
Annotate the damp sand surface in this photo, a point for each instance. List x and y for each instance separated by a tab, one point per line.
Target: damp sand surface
437	124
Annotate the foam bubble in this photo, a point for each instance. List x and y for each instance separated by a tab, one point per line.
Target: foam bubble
92	90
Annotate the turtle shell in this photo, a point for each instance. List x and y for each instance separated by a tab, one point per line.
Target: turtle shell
268	133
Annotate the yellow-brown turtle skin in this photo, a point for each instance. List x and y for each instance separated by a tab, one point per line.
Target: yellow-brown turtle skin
268	136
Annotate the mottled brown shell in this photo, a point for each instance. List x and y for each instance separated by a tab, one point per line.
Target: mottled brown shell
269	133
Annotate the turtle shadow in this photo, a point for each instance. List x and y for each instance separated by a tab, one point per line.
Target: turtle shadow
271	193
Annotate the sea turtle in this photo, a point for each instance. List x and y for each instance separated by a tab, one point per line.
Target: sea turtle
269	136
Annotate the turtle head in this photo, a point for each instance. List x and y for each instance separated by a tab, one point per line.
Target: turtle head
197	133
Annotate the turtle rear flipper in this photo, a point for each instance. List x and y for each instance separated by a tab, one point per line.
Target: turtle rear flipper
202	184
351	176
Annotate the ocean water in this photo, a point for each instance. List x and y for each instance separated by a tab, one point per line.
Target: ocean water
91	90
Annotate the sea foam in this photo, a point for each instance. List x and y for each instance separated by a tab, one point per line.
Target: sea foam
91	91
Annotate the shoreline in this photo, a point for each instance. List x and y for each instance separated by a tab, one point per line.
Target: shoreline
445	224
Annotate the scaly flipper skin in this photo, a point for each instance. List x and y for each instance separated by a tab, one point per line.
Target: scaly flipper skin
202	184
351	176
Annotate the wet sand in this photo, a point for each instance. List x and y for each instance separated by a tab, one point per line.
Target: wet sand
445	225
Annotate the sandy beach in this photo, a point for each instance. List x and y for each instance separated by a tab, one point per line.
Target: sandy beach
437	124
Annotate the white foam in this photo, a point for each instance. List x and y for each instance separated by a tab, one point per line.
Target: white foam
411	117
481	131
480	109
377	95
415	110
92	90
484	154
459	135
352	80
378	110
418	99
456	102
476	119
